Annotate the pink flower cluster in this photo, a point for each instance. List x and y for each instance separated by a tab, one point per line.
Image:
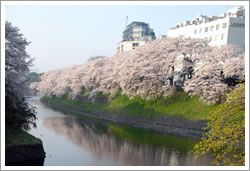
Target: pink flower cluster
148	71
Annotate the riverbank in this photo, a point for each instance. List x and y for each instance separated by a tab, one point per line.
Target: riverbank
169	124
21	148
179	105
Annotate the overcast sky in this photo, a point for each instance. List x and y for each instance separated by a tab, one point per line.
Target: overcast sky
66	35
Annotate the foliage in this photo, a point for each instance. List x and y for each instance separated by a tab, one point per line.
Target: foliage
33	77
18	113
226	131
148	71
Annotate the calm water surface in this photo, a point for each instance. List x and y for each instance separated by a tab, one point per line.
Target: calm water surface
81	141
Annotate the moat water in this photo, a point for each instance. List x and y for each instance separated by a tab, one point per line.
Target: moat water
75	140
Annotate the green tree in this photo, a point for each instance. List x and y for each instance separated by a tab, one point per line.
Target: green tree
225	138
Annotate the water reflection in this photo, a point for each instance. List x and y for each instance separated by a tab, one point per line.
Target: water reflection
127	145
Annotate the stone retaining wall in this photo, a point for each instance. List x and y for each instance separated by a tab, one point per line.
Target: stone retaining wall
94	99
26	153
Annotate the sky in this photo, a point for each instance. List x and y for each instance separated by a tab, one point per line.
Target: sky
63	36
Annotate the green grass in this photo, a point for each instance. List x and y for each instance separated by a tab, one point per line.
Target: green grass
74	103
185	106
18	137
178	105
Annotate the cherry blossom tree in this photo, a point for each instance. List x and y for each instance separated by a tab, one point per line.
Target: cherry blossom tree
209	81
18	113
150	71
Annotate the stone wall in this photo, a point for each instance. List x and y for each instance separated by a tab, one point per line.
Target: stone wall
94	99
25	153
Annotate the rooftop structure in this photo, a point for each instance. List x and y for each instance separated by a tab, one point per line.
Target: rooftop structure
227	28
138	31
134	35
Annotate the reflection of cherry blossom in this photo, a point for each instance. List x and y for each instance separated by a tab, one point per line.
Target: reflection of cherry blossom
148	71
98	139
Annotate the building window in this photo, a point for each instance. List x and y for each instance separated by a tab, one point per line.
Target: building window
222	36
135	44
200	30
195	31
206	29
224	25
216	37
217	27
210	38
211	28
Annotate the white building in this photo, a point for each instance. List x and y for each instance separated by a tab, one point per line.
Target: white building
136	34
228	28
128	45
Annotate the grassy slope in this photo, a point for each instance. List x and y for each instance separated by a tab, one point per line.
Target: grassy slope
179	105
18	136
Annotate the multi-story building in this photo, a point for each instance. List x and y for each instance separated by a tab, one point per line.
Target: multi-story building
228	28
138	31
135	34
